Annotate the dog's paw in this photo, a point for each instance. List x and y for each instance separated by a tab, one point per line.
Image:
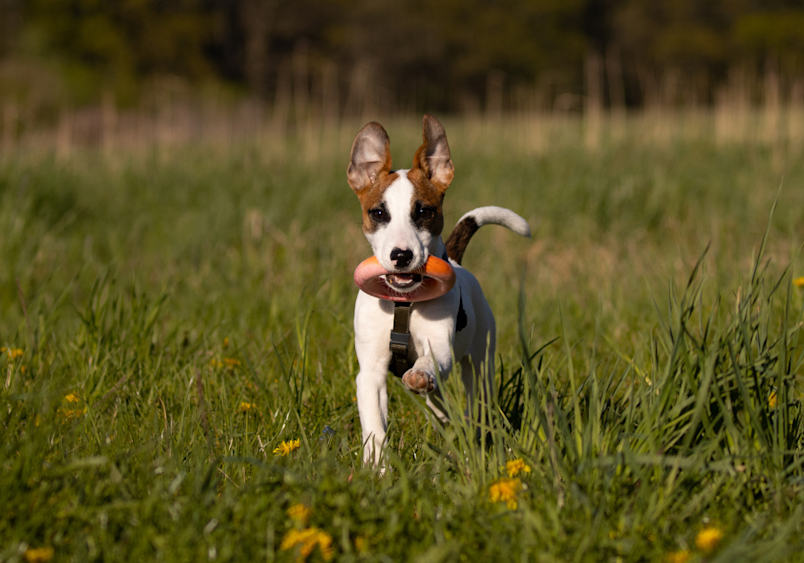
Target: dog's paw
418	381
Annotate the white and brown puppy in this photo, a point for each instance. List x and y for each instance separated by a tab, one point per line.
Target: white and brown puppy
403	220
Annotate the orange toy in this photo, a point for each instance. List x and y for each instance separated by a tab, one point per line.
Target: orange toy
434	280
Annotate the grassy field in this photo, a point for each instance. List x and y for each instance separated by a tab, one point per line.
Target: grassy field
172	316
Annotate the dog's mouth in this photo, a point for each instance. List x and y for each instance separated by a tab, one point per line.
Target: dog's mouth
403	282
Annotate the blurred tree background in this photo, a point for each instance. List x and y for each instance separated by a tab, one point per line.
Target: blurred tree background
448	56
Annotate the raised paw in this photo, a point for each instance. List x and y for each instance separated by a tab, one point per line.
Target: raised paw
418	381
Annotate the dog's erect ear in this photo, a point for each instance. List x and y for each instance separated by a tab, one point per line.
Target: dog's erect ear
371	156
433	156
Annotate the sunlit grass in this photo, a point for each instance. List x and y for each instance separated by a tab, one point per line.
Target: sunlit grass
178	366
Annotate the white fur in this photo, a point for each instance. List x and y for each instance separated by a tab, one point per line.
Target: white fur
434	339
499	216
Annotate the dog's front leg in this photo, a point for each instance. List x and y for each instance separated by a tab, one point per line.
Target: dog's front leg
434	350
372	404
373	322
421	378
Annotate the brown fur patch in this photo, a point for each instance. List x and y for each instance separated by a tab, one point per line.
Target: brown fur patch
371	196
459	238
429	195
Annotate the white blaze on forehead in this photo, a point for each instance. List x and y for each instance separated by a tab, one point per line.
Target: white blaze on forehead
398	199
399	232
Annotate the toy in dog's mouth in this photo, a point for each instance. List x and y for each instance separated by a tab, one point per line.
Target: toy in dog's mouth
433	280
403	282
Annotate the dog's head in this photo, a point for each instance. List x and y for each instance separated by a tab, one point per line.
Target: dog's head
402	215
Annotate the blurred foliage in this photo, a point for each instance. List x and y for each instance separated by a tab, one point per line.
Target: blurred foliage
444	55
100	45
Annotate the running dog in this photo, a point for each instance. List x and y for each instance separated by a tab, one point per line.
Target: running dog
403	220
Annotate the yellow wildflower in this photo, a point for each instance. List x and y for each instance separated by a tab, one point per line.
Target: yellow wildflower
772	400
285	448
799	282
72	413
231	362
678	556
517	466
247	407
708	539
216	363
307	540
300	513
38	554
14	353
361	544
226	342
505	490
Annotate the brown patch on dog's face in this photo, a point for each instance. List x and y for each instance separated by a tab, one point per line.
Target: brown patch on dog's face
426	210
371	202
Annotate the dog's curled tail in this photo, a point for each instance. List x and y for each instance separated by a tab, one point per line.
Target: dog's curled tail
472	221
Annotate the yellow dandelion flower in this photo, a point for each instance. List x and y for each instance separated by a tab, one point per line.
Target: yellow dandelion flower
14	353
300	513
799	282
247	407
678	556
38	554
307	540
505	490
72	413
216	363
231	362
285	448
708	539
772	400
517	466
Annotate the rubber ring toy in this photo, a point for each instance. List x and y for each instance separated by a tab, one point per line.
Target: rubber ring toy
437	275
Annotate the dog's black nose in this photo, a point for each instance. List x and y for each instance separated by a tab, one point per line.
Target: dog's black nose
401	257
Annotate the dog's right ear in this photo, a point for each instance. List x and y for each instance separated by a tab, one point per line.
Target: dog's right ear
371	156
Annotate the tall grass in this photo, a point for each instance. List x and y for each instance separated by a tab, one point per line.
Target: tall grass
181	311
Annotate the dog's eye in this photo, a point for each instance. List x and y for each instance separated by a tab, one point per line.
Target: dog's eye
378	214
427	212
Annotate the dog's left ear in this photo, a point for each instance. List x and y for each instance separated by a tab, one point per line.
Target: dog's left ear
433	156
370	157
